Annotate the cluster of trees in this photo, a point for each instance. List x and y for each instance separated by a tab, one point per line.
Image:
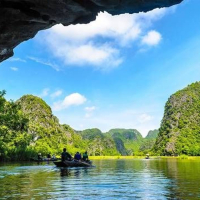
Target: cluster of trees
14	137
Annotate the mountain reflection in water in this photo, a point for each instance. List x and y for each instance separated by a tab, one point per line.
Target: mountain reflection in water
110	179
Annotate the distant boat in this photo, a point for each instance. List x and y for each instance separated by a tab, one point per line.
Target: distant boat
73	164
147	156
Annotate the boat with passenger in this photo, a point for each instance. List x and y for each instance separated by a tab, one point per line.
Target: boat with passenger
78	161
73	163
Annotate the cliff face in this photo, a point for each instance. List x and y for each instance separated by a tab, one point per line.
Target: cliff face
180	131
20	20
149	141
127	141
37	111
152	134
98	143
47	134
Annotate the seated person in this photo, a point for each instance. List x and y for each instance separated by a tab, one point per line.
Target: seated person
77	156
65	155
39	156
85	156
48	156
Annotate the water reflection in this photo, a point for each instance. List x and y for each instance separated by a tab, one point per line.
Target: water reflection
74	172
65	172
111	179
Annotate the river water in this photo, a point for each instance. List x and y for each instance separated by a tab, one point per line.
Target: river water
110	179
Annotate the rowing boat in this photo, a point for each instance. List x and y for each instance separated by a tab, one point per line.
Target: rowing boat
72	163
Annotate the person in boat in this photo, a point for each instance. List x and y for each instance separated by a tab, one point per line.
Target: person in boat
54	157
48	156
77	156
85	156
65	155
39	156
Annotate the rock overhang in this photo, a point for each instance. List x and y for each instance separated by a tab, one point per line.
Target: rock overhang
20	20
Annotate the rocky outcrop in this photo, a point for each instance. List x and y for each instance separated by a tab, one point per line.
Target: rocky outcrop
120	146
152	134
180	131
20	20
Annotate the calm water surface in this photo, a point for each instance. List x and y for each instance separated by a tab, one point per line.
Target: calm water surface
110	179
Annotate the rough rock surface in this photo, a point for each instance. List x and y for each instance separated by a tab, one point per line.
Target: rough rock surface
20	20
179	132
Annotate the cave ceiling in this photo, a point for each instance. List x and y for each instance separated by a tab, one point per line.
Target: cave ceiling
20	20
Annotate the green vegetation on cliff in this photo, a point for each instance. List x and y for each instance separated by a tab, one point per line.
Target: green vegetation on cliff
14	138
127	141
152	134
180	128
28	127
98	143
47	135
149	141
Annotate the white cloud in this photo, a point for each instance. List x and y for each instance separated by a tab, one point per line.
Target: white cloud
14	68
47	63
45	92
88	115
17	60
152	38
74	99
56	94
105	25
90	109
103	57
125	27
143	118
99	43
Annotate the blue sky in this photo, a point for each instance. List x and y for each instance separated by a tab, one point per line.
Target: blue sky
116	72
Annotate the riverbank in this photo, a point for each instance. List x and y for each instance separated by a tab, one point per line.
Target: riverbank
115	157
182	157
142	157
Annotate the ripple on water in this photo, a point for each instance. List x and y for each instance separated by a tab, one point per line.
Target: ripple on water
118	179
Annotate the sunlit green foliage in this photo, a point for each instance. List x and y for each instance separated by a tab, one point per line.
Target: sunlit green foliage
28	127
127	141
180	128
48	136
99	144
148	142
13	130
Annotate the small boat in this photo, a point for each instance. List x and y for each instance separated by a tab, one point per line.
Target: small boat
72	163
147	156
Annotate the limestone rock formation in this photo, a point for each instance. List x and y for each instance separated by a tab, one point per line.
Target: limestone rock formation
20	20
180	131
